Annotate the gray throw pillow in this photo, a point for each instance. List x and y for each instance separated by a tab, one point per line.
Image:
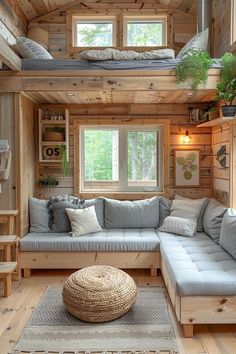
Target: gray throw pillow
212	219
164	209
60	220
30	49
99	207
228	232
136	214
205	202
39	215
200	41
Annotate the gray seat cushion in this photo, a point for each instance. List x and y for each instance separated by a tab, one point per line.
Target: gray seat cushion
198	266
120	240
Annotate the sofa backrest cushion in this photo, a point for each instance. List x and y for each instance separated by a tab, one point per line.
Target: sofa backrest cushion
204	202
212	219
60	220
136	214
164	209
186	208
39	215
228	232
98	203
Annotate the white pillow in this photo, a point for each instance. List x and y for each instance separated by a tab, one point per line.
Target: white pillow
186	208
200	41
30	49
83	221
179	226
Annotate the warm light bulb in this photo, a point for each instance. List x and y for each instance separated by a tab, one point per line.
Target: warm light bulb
186	137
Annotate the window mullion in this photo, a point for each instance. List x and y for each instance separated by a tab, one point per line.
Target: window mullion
122	159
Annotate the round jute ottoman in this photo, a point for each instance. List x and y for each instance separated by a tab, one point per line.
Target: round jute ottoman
99	293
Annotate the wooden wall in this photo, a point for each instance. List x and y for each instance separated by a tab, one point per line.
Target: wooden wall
178	115
184	22
221	27
17	126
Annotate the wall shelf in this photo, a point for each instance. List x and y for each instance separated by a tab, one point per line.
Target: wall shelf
217	121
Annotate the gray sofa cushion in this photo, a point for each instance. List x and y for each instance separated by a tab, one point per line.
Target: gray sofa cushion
164	209
212	219
197	266
31	49
115	240
127	214
99	207
60	220
39	215
228	232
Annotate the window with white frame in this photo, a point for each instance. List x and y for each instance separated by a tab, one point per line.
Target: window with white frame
233	21
94	31
141	31
121	158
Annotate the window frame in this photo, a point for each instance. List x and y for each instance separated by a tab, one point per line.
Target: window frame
92	19
123	158
233	23
142	18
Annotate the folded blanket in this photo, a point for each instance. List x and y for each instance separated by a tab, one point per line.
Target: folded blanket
115	54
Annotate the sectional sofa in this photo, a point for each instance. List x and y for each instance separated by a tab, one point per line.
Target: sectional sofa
199	271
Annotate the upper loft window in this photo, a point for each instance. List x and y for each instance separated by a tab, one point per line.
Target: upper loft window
145	31
94	31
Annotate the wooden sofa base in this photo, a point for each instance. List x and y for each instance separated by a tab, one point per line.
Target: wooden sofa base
77	260
192	310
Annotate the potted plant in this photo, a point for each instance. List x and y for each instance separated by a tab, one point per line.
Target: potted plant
193	68
226	88
48	182
64	160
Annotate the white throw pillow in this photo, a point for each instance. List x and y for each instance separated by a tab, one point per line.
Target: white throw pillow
83	221
186	208
179	226
200	41
30	49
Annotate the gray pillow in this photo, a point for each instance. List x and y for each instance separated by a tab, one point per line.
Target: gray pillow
228	232
136	214
30	49
212	219
200	41
60	220
164	209
205	202
99	207
39	215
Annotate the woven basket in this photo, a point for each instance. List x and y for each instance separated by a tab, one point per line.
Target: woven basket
99	293
53	136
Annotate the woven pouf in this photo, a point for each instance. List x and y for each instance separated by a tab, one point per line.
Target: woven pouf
99	293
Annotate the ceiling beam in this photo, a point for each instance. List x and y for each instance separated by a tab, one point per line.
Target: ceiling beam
8	57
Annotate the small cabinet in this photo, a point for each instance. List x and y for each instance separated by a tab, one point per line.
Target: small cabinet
53	134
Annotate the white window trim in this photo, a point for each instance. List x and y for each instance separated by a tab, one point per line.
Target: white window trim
123	160
233	22
161	18
93	19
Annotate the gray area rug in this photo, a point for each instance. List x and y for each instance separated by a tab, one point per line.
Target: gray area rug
146	327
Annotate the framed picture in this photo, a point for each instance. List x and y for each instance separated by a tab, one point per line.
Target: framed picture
186	168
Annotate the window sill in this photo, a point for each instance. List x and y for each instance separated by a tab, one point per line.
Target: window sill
120	195
73	49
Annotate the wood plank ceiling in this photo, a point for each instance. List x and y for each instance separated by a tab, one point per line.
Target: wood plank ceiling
35	8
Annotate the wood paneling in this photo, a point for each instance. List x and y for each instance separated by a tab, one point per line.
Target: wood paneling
221	11
178	115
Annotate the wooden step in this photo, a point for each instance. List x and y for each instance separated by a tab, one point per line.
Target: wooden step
7	239
7	268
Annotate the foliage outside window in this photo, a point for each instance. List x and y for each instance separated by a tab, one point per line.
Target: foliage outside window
143	31
94	32
121	159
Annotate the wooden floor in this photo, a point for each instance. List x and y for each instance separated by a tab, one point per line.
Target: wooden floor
16	310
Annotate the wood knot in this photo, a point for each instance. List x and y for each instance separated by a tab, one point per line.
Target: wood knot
111	82
222	302
190	320
219	310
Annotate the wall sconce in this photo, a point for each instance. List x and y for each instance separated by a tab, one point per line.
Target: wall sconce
186	139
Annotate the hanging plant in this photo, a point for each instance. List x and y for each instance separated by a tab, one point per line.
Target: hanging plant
193	68
48	182
64	160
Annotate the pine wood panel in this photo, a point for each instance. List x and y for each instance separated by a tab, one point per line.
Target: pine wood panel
221	11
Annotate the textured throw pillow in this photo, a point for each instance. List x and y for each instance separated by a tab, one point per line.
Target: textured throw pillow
228	232
60	220
212	219
189	209
136	214
200	41
83	221
164	209
204	201
99	207
30	49
179	226
39	215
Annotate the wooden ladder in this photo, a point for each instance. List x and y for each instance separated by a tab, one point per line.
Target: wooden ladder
6	270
